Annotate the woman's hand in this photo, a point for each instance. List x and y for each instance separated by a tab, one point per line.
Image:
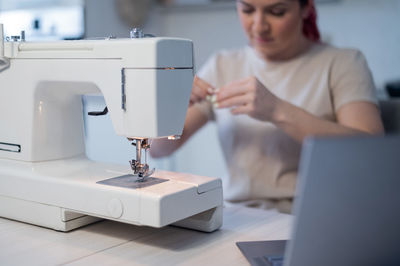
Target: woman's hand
248	96
200	90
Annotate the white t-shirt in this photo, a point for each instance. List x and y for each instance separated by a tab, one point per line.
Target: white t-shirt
261	159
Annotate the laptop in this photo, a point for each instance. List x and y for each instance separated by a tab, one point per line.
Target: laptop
348	208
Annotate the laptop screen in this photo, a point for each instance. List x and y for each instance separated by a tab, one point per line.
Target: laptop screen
348	210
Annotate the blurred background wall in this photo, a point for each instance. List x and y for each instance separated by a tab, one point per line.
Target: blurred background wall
373	26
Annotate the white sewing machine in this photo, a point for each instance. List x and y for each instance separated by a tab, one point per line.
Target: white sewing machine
45	177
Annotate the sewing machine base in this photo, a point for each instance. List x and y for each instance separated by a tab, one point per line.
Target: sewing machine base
60	219
65	194
43	215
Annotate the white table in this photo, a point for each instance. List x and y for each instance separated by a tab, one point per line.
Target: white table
113	243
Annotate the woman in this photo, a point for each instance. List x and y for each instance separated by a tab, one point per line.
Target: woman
268	97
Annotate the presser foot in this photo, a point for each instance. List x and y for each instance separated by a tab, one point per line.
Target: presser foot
142	177
141	171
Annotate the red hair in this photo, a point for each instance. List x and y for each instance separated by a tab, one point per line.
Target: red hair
310	28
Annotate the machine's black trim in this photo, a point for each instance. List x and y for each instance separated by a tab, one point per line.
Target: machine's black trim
10	144
104	112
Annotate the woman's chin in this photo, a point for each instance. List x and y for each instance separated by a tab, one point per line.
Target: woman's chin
267	52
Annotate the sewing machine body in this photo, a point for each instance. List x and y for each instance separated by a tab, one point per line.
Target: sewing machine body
45	177
145	83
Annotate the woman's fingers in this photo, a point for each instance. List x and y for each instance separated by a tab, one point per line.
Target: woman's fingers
200	90
241	110
248	96
201	83
204	87
194	98
233	89
234	101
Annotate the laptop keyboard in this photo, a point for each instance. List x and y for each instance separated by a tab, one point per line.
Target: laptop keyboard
268	261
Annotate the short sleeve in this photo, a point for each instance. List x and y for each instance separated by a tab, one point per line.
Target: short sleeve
208	71
351	79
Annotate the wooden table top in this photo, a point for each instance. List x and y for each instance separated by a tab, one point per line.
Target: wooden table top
113	243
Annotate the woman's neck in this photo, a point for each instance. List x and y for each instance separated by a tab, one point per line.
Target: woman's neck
302	46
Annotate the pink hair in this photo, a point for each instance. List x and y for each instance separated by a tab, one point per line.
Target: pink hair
310	28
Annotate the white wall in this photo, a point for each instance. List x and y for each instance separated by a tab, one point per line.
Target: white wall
373	26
